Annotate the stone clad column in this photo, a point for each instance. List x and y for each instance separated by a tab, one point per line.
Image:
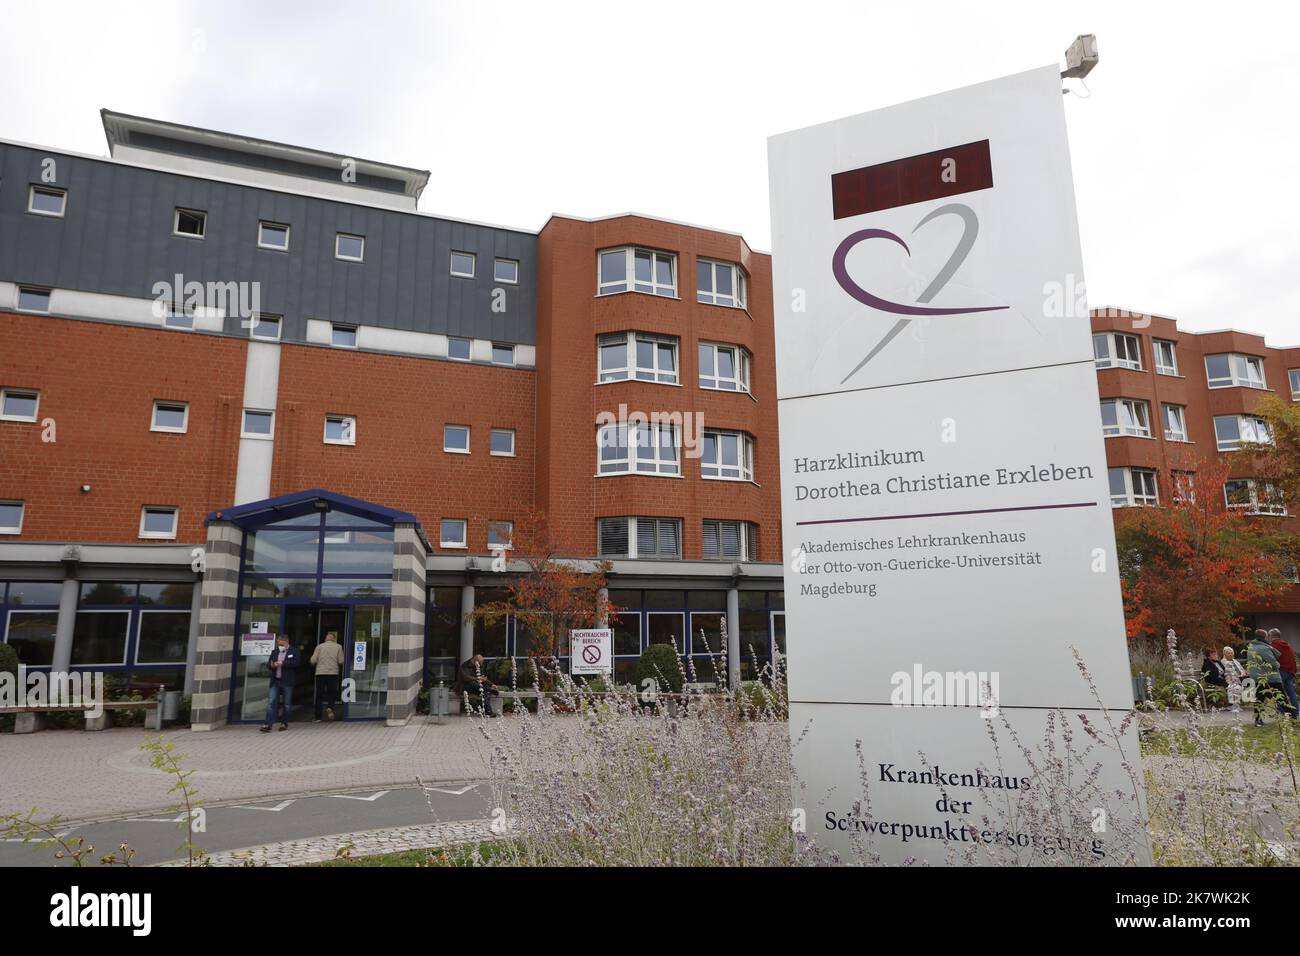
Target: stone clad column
62	659
406	626
466	625
192	649
215	652
733	638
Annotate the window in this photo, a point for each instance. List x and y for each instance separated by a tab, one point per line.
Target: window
506	270
1230	368
462	264
642	448
170	417
728	456
451	533
458	349
1253	497
190	223
720	283
340	430
11	517
654	357
179	317
1166	358
1231	431
503	354
1175	423
343	336
503	442
350	248
1294	376
500	534
455	438
18	405
1133	487
265	326
47	201
724	367
33	300
1184	486
1116	350
637	270
258	424
1124	416
273	235
730	540
639	537
157	522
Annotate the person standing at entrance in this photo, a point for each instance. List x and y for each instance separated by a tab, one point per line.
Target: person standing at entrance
328	661
283	665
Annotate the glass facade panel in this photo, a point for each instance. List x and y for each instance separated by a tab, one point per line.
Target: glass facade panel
277	550
99	637
164	637
31	635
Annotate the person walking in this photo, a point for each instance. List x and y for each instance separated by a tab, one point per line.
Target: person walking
1262	666
472	680
283	665
327	658
1233	673
1286	664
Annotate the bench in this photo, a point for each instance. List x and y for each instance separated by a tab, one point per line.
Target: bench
28	720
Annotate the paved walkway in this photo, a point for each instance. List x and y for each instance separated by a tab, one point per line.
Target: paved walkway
89	776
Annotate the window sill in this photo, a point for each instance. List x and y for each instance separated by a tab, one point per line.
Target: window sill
169	431
635	474
641	381
345	444
606	295
456	451
14	418
502	454
257	437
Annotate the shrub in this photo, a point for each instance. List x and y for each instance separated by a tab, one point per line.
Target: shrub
660	663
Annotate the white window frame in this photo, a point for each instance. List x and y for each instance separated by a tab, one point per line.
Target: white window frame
349	423
1293	377
200	214
473	263
1182	486
344	327
185	423
36	411
266	317
739	284
34	290
740	362
502	454
1239	367
22	513
503	345
1132	418
1111	359
158	509
262	244
745	456
630	282
1178	434
510	535
502	261
1163	368
243	422
644	452
139	628
49	191
468	439
469	348
745	528
1252	424
632	527
464	533
1131	499
631	369
349	235
1256	505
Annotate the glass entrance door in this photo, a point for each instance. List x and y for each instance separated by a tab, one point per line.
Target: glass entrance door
367	661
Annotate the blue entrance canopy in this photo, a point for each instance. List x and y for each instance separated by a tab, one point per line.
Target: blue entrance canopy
255	514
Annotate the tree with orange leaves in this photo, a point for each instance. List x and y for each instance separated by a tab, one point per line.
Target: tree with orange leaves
1192	564
550	596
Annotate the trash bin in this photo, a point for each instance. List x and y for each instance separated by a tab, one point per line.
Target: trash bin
171	705
439	703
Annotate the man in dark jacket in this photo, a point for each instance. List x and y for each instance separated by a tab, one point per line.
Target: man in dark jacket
1286	664
1212	669
471	680
1262	666
283	665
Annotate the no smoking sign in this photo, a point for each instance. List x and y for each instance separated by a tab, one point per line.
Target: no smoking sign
592	650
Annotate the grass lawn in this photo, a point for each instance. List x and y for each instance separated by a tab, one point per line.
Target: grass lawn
1259	743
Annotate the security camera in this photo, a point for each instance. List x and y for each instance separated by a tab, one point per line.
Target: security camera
1081	57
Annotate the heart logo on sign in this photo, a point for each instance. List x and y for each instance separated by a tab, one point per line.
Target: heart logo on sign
959	253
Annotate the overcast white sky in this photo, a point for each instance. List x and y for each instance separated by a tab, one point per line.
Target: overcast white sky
1184	155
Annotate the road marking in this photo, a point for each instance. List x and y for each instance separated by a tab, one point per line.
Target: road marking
454	793
178	819
275	809
352	796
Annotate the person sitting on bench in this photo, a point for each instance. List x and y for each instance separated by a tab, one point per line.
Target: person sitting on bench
471	680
